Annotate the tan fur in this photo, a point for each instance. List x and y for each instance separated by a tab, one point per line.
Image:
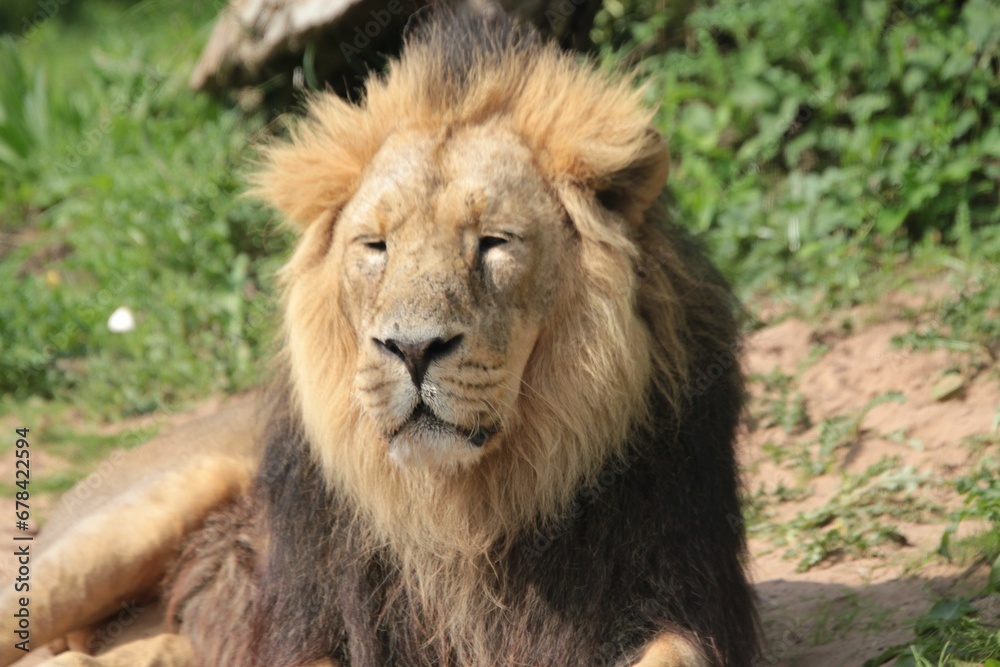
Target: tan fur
111	539
160	651
670	650
512	161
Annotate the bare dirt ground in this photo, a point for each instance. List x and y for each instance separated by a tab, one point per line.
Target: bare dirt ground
853	603
851	606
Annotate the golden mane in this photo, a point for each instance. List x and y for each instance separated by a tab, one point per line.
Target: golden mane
588	129
614	350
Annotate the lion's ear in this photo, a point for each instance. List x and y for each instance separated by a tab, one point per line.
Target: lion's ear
632	189
604	181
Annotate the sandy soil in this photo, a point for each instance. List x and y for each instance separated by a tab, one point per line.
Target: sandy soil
849	607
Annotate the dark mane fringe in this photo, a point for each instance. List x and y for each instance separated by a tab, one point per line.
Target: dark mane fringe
464	40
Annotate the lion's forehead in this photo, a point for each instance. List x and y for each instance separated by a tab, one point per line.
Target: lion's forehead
432	198
424	185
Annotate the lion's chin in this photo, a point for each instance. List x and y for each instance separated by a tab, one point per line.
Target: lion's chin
428	442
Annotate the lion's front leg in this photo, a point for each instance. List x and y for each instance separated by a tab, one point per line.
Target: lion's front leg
107	548
672	650
166	650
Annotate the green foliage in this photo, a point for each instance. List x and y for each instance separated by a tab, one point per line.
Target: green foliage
982	495
948	635
807	145
981	492
21	17
968	321
120	188
853	522
815	142
780	406
952	632
32	122
841	431
776	407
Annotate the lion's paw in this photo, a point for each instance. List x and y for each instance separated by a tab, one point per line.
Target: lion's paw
670	650
161	651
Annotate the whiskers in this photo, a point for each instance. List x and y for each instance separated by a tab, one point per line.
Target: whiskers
537	395
471	397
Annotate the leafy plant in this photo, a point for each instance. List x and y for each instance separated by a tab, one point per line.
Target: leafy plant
777	404
33	123
968	321
981	491
852	522
814	145
952	631
949	634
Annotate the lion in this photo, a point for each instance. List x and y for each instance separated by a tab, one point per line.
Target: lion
482	446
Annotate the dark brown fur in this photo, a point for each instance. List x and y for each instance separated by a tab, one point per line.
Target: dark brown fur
657	543
290	576
212	588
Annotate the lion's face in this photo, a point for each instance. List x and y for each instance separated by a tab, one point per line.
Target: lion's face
467	337
448	264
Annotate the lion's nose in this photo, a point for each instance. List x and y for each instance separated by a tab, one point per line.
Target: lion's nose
418	355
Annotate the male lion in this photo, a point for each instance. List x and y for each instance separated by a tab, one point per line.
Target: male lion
484	449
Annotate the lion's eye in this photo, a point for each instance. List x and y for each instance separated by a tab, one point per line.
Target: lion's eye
378	246
487	243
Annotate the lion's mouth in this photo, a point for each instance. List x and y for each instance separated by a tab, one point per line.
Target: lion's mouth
423	420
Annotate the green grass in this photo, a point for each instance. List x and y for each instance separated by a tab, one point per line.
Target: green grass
857	521
949	634
71	444
120	188
981	493
79	451
954	631
968	320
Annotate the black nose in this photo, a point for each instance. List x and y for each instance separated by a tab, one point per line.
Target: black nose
418	355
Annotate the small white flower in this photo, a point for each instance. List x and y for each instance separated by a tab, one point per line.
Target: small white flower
121	321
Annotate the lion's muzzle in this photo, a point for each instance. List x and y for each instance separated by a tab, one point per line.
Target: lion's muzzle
418	355
426	439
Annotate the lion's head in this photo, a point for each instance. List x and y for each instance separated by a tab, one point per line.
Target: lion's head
449	259
474	322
